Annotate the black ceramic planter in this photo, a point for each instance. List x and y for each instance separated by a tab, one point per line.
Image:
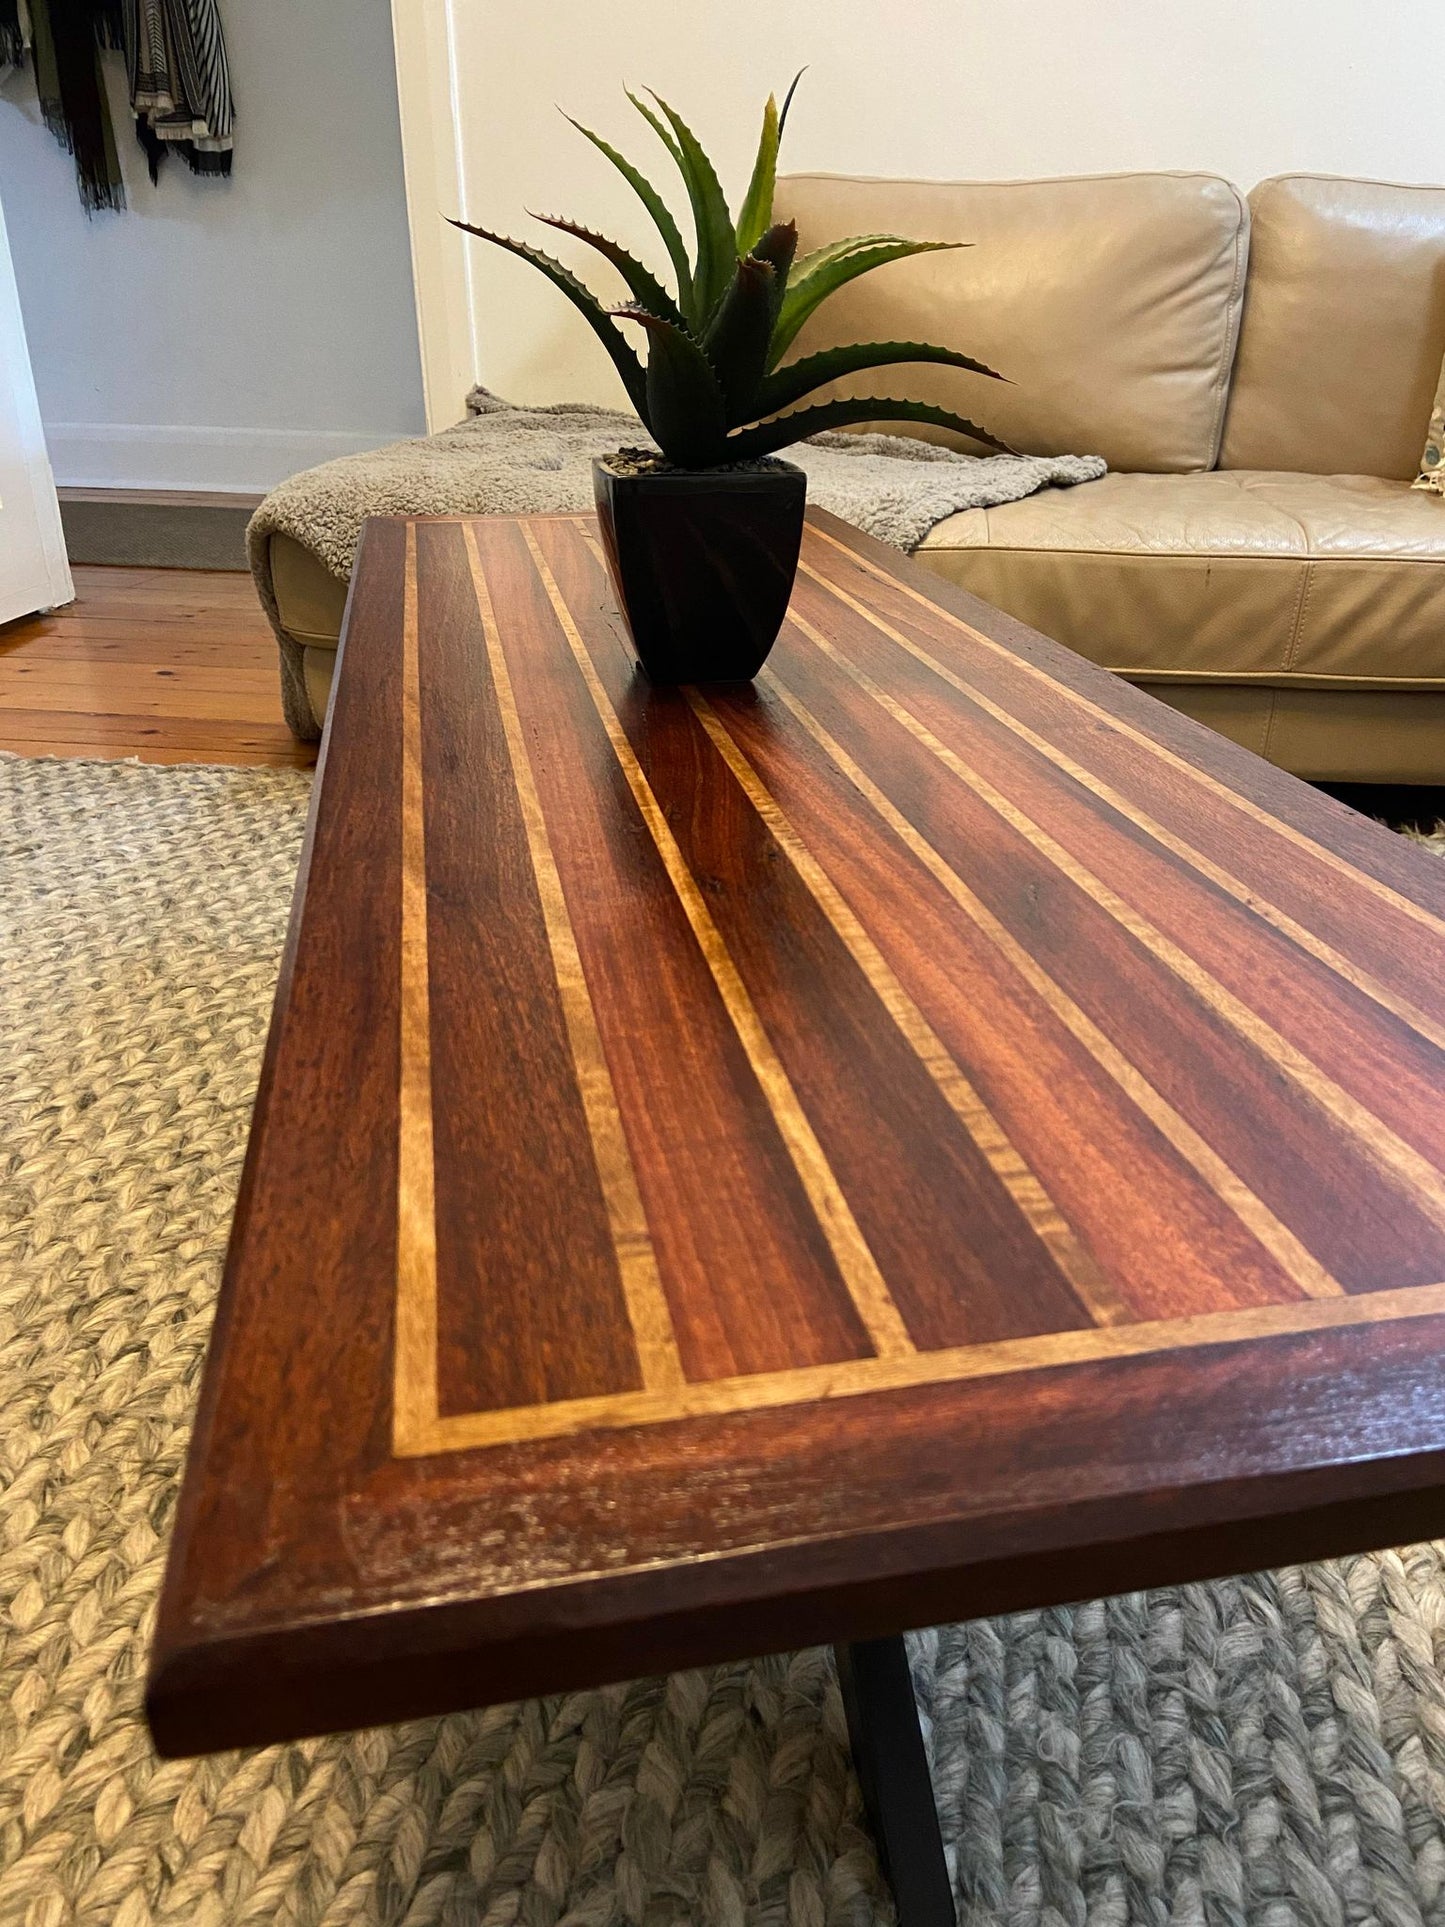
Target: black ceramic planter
703	563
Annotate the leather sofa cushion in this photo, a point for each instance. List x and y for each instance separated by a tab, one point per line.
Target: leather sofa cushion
1112	303
309	598
1314	580
1344	328
1324	735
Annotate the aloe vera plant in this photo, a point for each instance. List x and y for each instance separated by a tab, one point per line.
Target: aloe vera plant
714	387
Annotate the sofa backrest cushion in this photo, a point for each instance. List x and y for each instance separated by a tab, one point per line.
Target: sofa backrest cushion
1344	327
1111	302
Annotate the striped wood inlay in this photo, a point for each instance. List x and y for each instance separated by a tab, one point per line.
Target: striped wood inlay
1038	1207
1222	792
1113	1325
1363	980
415	1367
1312	1279
1397	1159
855	1261
637	1261
467	1431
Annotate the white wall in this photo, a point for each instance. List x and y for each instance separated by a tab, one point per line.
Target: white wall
943	88
222	335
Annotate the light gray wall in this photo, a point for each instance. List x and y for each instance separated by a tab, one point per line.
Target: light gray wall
224	334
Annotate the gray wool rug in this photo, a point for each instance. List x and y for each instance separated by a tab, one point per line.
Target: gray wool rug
1264	1751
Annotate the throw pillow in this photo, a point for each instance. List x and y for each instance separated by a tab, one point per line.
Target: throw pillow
1432	462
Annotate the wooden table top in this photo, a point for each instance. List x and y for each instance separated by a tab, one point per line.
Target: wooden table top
929	1133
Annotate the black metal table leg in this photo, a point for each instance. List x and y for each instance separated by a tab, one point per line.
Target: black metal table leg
892	1768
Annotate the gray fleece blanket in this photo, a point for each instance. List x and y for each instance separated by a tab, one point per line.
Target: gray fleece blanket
505	460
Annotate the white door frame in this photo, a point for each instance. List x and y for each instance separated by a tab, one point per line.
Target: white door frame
34	569
432	151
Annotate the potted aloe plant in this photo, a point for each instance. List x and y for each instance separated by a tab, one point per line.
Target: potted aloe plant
702	534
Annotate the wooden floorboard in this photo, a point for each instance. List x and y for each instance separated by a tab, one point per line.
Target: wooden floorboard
167	665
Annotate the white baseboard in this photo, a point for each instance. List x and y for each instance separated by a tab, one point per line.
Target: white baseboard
135	455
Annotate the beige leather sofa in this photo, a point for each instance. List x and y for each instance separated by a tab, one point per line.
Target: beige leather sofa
1258	374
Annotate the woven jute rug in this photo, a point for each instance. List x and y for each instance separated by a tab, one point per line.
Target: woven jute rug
1269	1750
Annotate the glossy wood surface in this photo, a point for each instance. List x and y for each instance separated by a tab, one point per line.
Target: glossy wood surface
932	1132
167	665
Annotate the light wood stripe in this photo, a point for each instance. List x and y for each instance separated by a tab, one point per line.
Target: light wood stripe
1396	1160
1008	1164
1360	979
1295	1260
414	1398
647	1309
856	1263
1246	805
811	1384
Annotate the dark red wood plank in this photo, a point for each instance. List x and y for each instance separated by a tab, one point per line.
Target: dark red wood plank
530	1303
1326	1008
959	1259
1169	1242
710	1161
1291	1153
315	1229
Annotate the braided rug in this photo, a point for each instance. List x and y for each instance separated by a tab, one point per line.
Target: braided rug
1268	1751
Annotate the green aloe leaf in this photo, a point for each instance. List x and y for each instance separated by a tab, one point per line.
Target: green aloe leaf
789	385
650	198
822	273
736	342
684	403
645	289
836	250
769	437
716	242
657	124
624	356
757	207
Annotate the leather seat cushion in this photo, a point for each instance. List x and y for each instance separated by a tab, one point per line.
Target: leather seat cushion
1325	581
318	671
310	599
1325	735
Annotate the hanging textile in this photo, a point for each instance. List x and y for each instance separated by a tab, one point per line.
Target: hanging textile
180	84
66	38
180	89
12	34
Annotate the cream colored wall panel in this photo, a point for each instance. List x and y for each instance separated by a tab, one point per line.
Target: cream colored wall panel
939	88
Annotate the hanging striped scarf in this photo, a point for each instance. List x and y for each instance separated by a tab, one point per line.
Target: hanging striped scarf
180	85
179	82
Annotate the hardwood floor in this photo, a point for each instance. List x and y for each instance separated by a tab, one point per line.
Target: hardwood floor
169	665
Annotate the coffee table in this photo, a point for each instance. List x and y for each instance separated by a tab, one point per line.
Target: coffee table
931	1133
